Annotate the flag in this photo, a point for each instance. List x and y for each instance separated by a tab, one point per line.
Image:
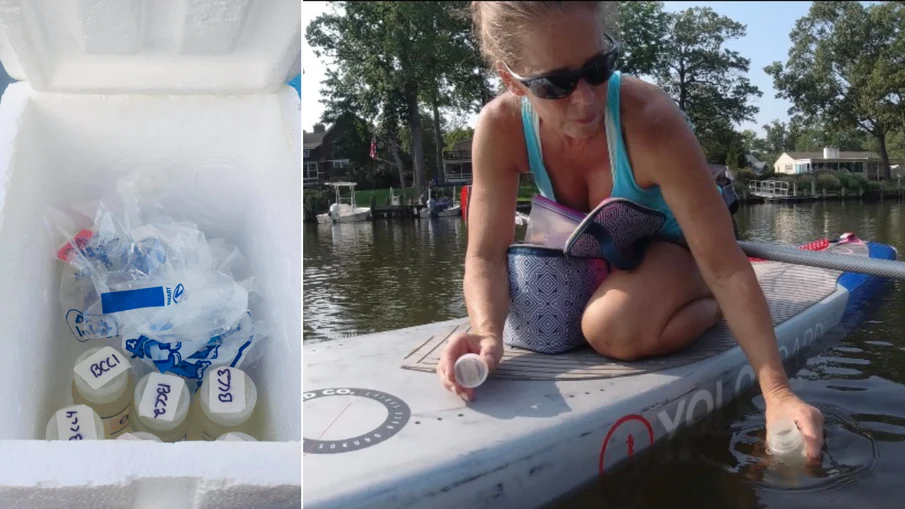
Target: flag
374	148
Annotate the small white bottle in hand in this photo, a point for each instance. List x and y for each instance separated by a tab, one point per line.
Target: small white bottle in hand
471	370
786	442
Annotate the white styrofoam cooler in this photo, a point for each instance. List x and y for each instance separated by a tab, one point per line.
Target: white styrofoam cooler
193	90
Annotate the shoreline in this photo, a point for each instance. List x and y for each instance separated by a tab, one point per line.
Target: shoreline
744	198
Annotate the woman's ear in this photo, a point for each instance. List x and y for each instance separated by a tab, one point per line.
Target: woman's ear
514	86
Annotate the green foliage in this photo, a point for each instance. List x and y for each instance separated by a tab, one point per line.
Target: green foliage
735	155
845	65
828	181
451	137
859	182
744	176
643	29
388	58
804	182
354	144
755	145
844	177
316	201
685	54
722	144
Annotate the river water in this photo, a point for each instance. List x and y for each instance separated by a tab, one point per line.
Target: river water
388	274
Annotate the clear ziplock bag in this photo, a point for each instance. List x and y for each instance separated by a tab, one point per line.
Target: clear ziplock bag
158	283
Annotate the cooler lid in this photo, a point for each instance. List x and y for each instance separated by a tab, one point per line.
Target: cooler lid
147	46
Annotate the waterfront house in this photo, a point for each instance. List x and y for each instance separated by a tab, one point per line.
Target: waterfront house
457	163
319	162
793	163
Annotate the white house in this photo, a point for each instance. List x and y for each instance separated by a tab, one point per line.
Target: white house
866	163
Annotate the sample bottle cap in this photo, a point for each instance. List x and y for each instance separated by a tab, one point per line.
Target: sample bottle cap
139	435
110	391
471	370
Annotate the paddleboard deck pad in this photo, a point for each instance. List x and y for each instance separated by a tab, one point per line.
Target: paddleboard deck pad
381	431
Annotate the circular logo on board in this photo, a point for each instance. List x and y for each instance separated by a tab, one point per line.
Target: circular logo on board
635	429
398	414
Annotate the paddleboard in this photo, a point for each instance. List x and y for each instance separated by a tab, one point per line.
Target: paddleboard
381	431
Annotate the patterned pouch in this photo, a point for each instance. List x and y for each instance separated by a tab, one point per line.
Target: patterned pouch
549	288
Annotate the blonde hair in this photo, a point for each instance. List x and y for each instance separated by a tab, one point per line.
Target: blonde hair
498	25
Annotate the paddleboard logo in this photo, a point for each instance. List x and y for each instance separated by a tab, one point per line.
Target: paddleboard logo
639	435
398	414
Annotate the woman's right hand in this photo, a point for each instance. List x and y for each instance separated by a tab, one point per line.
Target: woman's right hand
489	347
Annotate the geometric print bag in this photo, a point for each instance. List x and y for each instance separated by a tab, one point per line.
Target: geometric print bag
549	288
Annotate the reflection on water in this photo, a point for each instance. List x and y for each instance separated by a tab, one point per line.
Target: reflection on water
369	277
386	274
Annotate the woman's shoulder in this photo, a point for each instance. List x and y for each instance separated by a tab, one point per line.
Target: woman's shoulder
499	128
647	112
502	112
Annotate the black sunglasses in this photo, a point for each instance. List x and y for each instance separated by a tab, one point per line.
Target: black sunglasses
561	84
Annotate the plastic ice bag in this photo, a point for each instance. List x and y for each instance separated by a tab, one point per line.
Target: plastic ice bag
158	283
231	349
551	224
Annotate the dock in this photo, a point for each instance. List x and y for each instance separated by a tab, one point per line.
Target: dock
384	211
778	191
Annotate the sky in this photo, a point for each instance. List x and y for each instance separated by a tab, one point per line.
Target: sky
767	40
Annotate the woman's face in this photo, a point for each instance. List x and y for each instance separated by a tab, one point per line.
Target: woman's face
564	42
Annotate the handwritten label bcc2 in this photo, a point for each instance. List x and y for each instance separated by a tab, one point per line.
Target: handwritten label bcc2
160	398
226	392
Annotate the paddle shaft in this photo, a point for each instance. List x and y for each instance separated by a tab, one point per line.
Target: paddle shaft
834	261
848	263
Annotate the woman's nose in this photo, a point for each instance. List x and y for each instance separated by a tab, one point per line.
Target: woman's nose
583	94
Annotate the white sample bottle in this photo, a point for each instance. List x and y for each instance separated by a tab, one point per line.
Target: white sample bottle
786	442
138	435
226	400
236	436
75	422
162	406
101	379
471	370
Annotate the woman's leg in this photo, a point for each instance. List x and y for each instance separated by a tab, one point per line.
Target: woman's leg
660	307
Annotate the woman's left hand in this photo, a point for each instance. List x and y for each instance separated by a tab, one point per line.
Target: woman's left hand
787	405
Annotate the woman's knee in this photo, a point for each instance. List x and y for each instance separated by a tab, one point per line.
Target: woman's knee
613	334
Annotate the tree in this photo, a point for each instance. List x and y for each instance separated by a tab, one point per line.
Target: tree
754	144
642	30
381	109
390	58
814	136
355	145
845	68
720	142
684	53
735	155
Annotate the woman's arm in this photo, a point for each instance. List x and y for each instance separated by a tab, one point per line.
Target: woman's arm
491	225
491	229
665	151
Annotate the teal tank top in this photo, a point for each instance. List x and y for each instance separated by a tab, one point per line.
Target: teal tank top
624	184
